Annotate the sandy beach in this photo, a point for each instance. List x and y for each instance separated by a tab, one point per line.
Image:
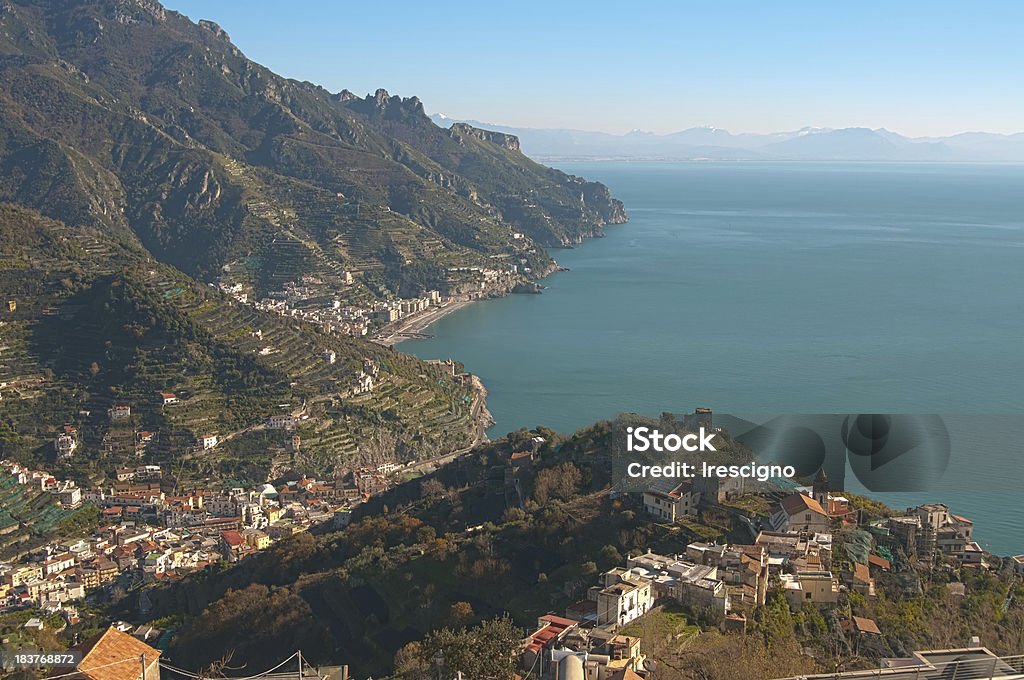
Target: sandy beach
415	325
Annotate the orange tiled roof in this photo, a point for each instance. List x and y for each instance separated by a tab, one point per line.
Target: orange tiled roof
861	573
866	625
800	502
114	656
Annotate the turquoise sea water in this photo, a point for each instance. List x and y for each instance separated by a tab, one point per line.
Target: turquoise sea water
779	288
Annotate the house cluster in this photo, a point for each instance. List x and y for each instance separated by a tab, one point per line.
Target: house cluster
722	579
726	581
47	579
564	648
65	491
390	311
307	299
235	290
147	534
332	316
476	282
277	513
364	380
793	546
931	531
287	419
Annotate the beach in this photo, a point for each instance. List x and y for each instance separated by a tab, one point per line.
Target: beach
415	325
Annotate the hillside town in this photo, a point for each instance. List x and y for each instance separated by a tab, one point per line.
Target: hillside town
726	581
147	534
317	300
792	551
808	545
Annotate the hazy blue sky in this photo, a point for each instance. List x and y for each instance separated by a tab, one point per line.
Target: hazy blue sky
919	68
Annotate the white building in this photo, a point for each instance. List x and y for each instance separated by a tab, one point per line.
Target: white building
695	585
672	503
281	421
119	414
623	598
65	444
363	384
800	512
814	587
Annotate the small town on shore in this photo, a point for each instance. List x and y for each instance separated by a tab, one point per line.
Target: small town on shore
147	534
340	303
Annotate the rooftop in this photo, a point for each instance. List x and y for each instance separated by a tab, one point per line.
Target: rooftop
113	655
940	664
800	502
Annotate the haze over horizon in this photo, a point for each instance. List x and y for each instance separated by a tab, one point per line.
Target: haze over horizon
716	128
916	68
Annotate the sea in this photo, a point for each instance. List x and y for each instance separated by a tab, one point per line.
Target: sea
781	287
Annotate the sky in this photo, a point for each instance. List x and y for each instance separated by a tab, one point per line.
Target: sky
918	68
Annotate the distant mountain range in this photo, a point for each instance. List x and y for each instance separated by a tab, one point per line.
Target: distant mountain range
809	143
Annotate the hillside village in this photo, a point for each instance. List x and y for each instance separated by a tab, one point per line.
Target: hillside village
793	555
339	309
820	551
146	535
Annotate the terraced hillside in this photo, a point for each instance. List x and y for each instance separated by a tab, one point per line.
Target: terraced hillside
170	167
123	115
30	517
99	324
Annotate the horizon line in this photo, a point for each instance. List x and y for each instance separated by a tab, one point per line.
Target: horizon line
728	131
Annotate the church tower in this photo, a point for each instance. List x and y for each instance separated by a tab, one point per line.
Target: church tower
821	489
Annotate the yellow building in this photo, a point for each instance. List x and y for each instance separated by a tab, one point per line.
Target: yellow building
257	539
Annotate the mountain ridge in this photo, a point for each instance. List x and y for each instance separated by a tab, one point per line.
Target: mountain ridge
808	143
151	124
142	152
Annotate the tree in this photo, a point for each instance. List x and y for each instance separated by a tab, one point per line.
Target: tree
459	614
560	481
431	488
409	661
485	651
610	554
774	621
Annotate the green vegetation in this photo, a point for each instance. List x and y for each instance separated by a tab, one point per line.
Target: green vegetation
485	651
97	324
133	119
141	135
29	517
461	546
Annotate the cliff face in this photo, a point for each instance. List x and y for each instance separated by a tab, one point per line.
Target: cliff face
121	114
550	206
460	130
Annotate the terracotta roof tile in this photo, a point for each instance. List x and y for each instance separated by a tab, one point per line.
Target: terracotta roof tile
799	502
114	656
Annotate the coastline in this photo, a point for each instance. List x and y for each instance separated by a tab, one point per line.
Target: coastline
415	325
